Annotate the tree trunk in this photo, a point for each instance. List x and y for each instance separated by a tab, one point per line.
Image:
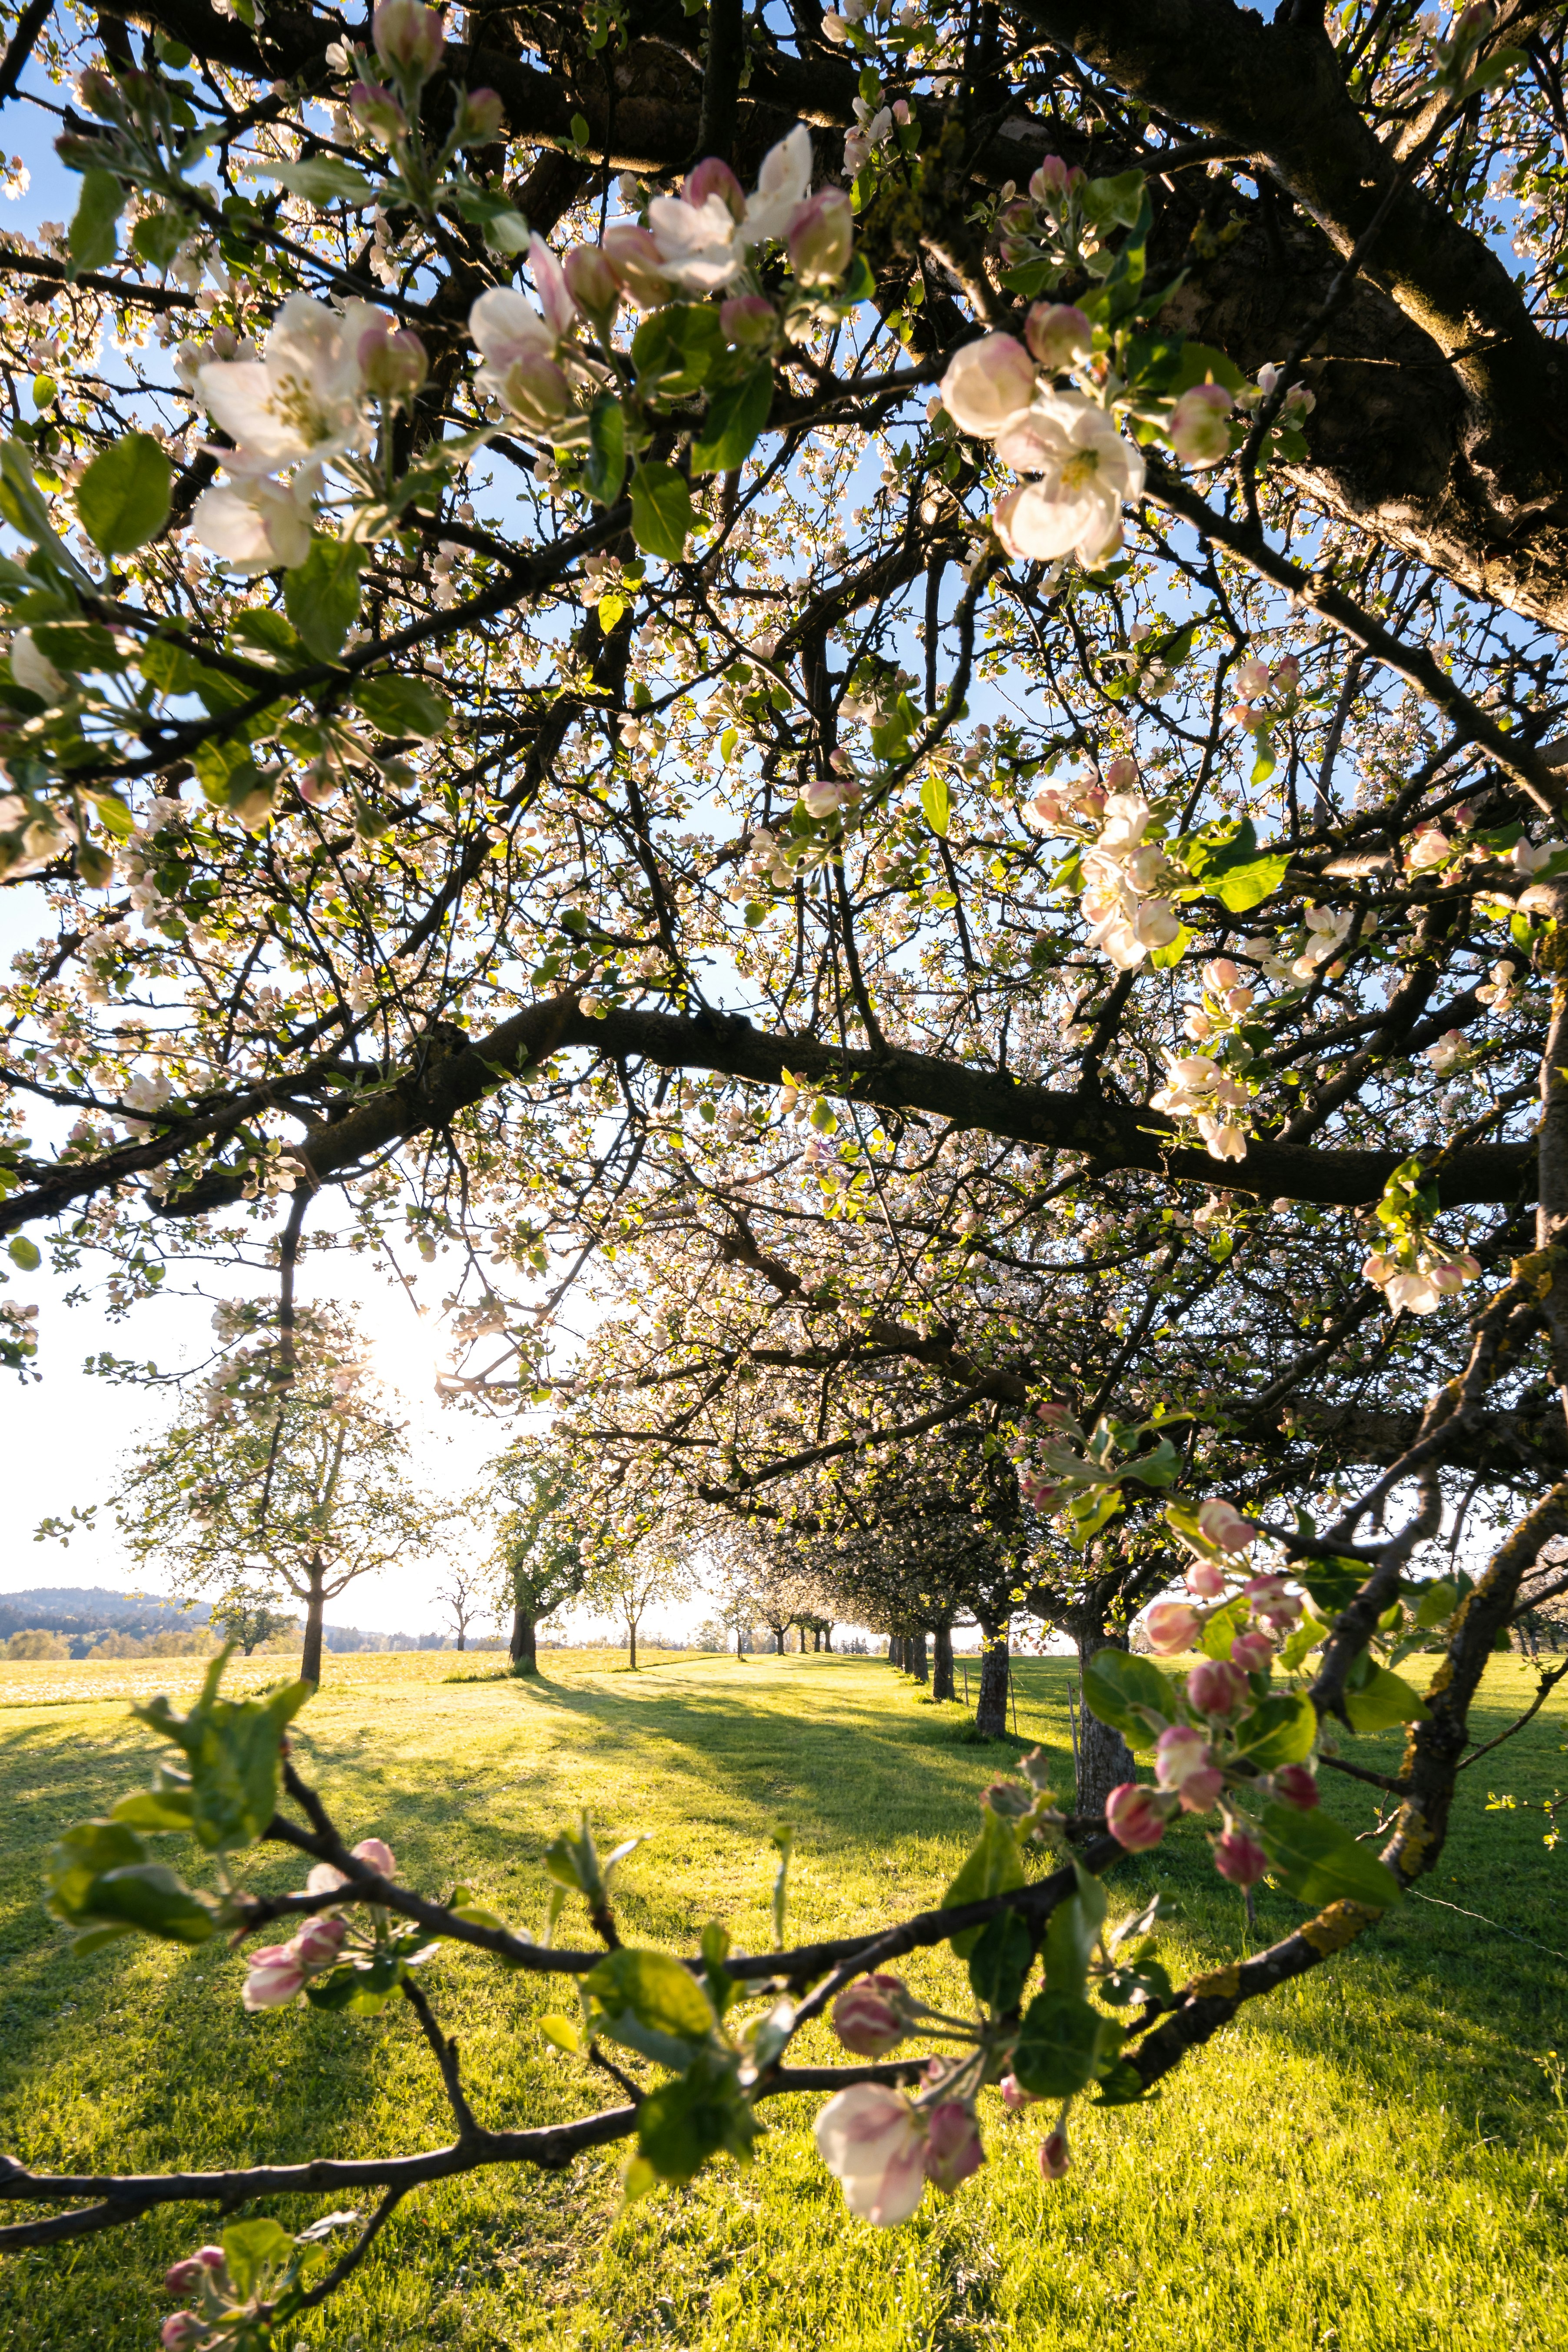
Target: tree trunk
462	1642
311	1658
827	1638
779	1633
941	1663
524	1642
896	1650
632	1642
918	1664
991	1712
1104	1759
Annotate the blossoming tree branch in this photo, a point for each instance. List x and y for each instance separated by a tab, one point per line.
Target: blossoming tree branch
884	692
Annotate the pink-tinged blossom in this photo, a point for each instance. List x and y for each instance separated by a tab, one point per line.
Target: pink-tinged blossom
751	320
714	177
1184	1764
873	2143
636	262
1055	2156
1199	427
952	2145
1135	1816
393	362
181	2276
822	237
696	242
183	2329
987	384
376	1855
1205	1579
409	37
1053	179
1015	2098
867	2017
303	402
1295	1785
1171	1625
375	108
482	117
1076	508
591	281
254	526
1252	1651
1215	1687
1239	1858
1222	1524
320	1941
1058	335
275	1975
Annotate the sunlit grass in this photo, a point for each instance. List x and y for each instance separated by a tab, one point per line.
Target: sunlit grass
1373	2160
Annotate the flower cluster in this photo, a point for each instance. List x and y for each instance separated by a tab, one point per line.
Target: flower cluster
1414	1275
280	1973
883	2147
1197	1086
1082	467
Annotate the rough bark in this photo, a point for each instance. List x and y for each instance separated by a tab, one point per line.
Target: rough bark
919	1662
941	1663
524	1643
310	1655
991	1712
1104	1759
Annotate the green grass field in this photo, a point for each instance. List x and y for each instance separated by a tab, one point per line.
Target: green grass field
1374	2161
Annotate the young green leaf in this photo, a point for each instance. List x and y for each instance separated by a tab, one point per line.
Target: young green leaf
735	417
661	512
123	499
92	238
320	596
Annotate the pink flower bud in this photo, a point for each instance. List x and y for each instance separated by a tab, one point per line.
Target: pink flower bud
1015	2098
750	321
1055	2156
713	178
1054	1416
1215	1687
1122	776
1219	975
180	2277
1253	1652
1287	675
822	237
1239	1858
866	2019
1184	1763
1222	1524
1199	427
1059	334
480	117
183	2329
392	362
952	2145
276	1976
1053	179
637	263
376	1855
1296	1785
592	282
320	1941
1135	1816
537	392
1205	1581
1252	679
373	107
1171	1625
409	38
987	383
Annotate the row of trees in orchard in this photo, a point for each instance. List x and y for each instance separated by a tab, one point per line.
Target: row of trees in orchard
862	715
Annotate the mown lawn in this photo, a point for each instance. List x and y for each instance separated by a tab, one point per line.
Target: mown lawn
1374	2161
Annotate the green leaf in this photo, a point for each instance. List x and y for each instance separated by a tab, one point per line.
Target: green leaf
656	1990
123	499
1000	1962
250	2249
1122	2086
1072	1935
1316	1859
677	350
25	1253
1198	363
155	1809
661	512
158	236
1384	1700
1334	1584
1166	959
735	417
684	2123
994	1867
1115	1685
605	469
1280	1730
100	1880
1223	1627
322	180
234	1750
403	705
93	231
1238	887
934	801
563	2032
320	596
1061	2047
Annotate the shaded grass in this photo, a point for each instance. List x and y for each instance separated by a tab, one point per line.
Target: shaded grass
1372	2160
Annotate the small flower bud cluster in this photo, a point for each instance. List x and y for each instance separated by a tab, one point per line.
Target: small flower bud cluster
279	1973
883	2148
